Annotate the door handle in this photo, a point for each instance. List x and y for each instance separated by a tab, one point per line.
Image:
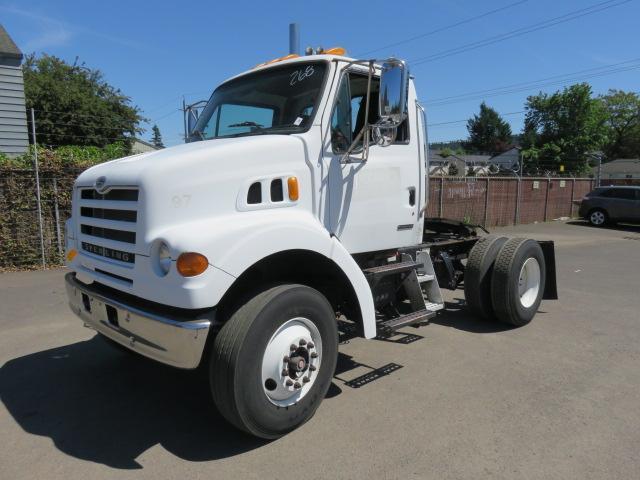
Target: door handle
412	196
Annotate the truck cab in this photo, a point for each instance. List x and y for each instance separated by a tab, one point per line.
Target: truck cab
299	197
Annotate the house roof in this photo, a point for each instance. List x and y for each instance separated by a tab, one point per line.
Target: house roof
144	142
622	165
8	48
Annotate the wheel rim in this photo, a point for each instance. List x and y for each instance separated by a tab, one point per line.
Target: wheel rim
597	218
291	361
529	282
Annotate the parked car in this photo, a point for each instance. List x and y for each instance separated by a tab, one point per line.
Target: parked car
611	204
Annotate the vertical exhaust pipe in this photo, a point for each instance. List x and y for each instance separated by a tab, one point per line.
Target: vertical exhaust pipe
294	38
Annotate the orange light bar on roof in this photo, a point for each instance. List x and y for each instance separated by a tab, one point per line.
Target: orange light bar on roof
335	51
331	51
279	59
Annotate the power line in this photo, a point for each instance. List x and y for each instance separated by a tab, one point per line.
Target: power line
530	86
520	31
439	124
530	82
446	27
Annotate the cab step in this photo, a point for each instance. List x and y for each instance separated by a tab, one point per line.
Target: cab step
374	273
404	320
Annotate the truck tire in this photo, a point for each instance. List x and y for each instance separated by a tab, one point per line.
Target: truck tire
477	275
272	362
518	280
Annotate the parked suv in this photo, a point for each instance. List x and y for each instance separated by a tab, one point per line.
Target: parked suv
611	204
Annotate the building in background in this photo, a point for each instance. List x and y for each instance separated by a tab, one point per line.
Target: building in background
14	137
626	168
140	146
508	160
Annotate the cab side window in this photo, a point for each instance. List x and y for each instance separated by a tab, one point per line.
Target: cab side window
341	119
350	110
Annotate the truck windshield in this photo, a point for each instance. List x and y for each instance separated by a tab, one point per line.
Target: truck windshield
277	100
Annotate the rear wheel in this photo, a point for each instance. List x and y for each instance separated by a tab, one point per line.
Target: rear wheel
598	217
518	280
477	275
273	361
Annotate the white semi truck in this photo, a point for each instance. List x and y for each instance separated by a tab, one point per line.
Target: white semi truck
300	197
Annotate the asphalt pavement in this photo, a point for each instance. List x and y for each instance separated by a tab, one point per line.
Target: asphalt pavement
458	398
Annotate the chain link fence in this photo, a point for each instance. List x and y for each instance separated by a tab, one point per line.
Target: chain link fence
21	243
501	201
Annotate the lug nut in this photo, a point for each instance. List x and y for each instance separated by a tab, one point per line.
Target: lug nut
288	383
302	342
312	368
310	345
292	347
297	385
286	359
305	380
314	355
285	372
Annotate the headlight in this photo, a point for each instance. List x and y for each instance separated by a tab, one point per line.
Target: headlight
164	259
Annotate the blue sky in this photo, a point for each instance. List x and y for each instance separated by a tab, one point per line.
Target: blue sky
156	52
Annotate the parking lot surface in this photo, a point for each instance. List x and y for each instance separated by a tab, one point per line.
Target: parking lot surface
458	398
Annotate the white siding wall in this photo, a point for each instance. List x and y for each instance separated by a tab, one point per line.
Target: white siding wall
13	117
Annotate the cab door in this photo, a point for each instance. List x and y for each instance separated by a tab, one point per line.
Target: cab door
373	204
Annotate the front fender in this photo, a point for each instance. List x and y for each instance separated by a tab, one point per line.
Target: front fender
236	242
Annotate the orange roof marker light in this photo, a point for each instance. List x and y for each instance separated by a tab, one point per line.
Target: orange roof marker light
335	51
320	51
279	59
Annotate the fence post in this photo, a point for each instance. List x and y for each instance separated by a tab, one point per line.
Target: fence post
516	218
546	198
35	161
573	189
441	197
57	215
486	204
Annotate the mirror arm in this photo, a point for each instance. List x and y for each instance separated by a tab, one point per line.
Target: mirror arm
365	128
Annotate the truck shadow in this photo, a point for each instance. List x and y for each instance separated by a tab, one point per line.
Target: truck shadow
99	405
459	317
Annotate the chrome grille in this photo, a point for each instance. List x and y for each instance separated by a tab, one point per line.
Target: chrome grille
108	229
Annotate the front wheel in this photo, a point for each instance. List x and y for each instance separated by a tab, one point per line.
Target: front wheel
273	361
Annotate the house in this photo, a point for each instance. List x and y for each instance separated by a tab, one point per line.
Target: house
444	166
14	137
140	146
621	168
507	160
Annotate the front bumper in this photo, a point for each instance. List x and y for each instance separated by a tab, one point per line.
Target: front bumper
170	339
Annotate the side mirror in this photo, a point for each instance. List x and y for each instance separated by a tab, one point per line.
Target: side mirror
393	92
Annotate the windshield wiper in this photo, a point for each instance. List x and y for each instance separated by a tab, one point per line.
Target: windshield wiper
245	124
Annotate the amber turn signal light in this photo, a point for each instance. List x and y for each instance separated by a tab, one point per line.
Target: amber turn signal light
71	255
190	264
294	191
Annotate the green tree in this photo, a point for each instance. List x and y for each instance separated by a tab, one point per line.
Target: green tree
156	137
622	124
563	128
488	132
75	105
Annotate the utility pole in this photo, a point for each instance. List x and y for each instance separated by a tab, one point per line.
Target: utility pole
38	201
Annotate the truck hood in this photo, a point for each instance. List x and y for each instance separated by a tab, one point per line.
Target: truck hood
198	180
197	158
